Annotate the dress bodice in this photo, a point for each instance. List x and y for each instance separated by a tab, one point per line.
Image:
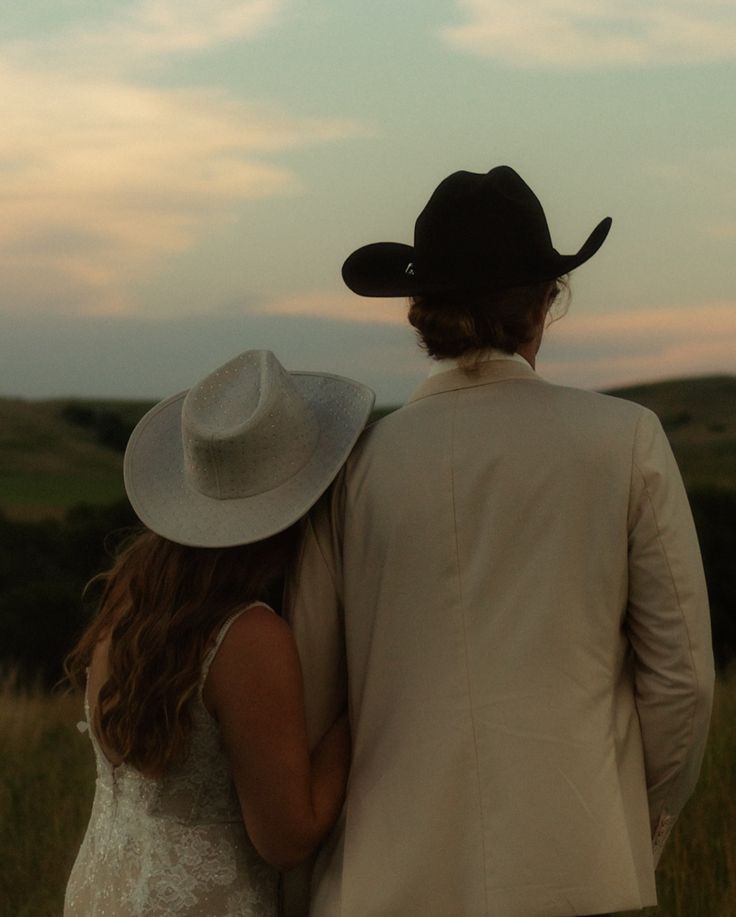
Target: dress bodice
173	845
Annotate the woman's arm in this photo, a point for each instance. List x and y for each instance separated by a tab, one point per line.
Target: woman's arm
288	798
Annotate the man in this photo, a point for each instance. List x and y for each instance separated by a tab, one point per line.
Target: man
506	586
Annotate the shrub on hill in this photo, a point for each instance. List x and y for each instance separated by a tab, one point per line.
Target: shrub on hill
44	568
714	512
109	428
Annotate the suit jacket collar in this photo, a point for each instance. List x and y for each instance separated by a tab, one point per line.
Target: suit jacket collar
485	373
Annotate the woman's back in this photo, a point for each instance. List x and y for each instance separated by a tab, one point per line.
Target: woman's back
174	844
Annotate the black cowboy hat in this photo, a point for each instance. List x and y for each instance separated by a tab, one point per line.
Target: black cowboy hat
477	232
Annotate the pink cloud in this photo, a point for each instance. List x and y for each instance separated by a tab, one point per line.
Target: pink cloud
591	351
340	307
134	174
598	351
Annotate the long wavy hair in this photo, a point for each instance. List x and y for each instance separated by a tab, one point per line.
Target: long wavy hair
160	604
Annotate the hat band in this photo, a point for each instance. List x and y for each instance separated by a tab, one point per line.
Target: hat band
433	274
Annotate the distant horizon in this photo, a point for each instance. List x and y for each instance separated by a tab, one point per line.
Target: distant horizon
607	389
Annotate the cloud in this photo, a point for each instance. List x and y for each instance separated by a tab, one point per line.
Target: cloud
722	231
141	356
103	176
577	34
340	307
584	350
101	179
171	26
600	351
144	32
590	351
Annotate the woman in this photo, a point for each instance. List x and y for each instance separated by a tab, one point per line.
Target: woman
205	782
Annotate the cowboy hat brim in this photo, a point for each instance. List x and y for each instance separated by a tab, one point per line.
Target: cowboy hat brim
166	502
389	269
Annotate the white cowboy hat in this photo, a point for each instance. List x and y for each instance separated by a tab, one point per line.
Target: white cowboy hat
244	453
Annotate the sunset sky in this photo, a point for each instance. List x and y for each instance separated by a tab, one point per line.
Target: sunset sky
182	179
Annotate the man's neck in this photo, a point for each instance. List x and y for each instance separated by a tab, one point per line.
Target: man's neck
529	352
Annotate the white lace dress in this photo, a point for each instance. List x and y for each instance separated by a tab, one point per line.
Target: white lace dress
171	846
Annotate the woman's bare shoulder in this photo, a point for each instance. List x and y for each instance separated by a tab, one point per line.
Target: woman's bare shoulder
257	650
256	623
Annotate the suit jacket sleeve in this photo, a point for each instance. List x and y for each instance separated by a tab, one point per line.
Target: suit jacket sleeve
314	611
313	607
668	624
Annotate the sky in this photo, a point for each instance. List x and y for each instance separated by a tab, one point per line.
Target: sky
181	180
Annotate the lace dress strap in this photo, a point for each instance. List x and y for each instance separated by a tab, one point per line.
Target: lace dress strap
212	651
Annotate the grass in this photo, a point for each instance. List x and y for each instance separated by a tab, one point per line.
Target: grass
29	495
697	875
46	786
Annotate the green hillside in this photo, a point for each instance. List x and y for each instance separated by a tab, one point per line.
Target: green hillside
49	462
699	416
55	454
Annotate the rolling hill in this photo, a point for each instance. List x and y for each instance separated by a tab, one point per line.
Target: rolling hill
55	454
699	416
49	463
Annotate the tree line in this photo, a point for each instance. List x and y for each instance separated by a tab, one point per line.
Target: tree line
44	567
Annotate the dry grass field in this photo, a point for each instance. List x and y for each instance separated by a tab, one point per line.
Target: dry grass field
46	784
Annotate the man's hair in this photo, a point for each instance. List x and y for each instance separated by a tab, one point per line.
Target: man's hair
452	324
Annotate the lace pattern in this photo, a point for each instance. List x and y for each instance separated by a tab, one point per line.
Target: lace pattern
171	846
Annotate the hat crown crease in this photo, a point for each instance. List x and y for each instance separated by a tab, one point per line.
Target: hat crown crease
246	429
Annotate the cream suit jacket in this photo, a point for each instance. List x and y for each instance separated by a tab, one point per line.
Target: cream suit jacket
506	585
